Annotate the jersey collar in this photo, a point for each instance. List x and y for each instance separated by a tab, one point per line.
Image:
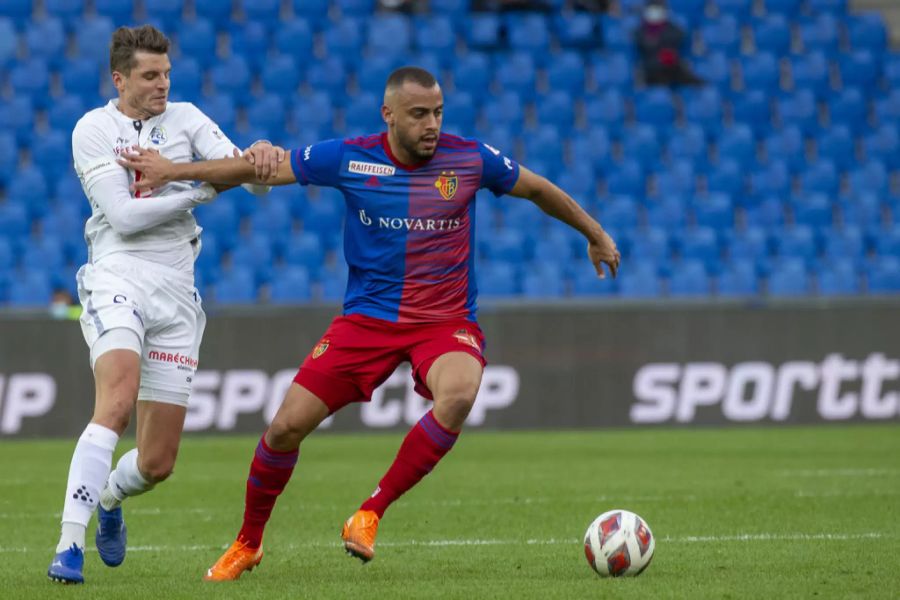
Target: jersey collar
387	150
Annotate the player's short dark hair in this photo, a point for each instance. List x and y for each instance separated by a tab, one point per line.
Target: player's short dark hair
128	40
416	75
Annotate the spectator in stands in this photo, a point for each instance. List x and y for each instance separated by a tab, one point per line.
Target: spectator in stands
511	5
659	43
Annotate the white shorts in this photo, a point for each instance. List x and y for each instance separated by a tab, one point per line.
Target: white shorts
160	304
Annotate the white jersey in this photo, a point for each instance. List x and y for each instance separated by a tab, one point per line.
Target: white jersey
165	233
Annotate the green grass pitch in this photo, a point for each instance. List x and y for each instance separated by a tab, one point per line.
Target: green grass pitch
737	513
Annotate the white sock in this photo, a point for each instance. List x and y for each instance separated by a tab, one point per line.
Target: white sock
88	470
126	480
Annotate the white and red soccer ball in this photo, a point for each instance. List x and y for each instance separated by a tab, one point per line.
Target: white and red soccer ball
619	543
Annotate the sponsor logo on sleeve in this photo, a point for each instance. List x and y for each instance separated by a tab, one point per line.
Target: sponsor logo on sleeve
368	168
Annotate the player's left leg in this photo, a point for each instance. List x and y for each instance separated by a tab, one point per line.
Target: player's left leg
453	380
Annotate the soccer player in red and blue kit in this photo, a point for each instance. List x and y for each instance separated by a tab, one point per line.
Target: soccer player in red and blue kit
410	296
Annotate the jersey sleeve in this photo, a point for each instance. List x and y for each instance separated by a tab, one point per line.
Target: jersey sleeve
207	139
318	164
93	150
499	173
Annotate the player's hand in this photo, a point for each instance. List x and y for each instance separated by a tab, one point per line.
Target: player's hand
265	157
602	250
154	168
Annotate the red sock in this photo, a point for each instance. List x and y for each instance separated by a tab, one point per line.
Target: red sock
425	444
269	473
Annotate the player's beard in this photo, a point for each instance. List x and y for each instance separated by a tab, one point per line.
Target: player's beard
412	147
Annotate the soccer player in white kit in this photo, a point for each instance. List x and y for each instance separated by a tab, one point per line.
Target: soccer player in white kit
142	316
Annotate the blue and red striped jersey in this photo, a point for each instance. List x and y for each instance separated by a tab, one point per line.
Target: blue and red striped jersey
409	232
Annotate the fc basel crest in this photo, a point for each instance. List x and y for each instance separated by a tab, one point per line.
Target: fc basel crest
320	349
447	184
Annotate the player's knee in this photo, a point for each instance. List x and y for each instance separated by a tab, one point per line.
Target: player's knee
285	434
156	468
456	400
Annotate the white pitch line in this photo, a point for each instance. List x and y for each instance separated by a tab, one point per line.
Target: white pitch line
690	539
868	472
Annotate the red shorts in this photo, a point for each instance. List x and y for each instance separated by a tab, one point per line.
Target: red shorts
358	353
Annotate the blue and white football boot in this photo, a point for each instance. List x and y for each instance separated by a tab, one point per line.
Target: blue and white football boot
67	566
112	536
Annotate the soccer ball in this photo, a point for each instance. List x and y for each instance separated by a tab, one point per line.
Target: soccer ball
618	543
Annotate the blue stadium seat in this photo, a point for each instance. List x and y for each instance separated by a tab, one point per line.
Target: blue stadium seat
483	31
435	34
618	34
837	8
887	241
216	11
586	284
236	286
528	32
721	35
250	41
314	11
329	76
577	30
362	112
295	38
739	9
565	73
497	279
167	12
504	108
9	157
859	69
268	112
187	79
544	144
281	75
752	108
355	7
821	176
648	245
688	143
305	249
612	72
887	109
689	280
891	68
221	110
31	78
516	72
813	210
788	8
221	219
30	288
457	10
820	35
619	213
678	177
669	211
389	34
197	41
760	72
639	280
460	111
809	71
863	209
799	109
45	252
92	37
7	254
839	278
843	243
871	176
9	41
640	143
472	73
836	144
254	253
505	245
714	210
592	146
45	39
18	10
655	107
789	278
65	112
14	219
716	69
866	31
266	12
768	213
736	143
798	241
312	111
556	108
52	152
606	110
704	108
81	76
626	179
747	245
344	40
291	285
17	116
693	11
787	146
738	279
700	243
883	275
772	34
67	10
232	76
726	178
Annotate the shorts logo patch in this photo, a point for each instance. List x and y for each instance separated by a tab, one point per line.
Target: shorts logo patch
320	349
464	337
447	184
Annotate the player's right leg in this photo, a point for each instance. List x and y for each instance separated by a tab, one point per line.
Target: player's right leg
271	469
116	374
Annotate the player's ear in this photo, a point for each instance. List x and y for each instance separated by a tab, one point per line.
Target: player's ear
387	115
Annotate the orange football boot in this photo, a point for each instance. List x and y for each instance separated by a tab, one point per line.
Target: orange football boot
359	535
237	559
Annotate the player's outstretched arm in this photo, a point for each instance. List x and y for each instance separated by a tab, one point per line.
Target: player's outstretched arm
157	170
558	204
